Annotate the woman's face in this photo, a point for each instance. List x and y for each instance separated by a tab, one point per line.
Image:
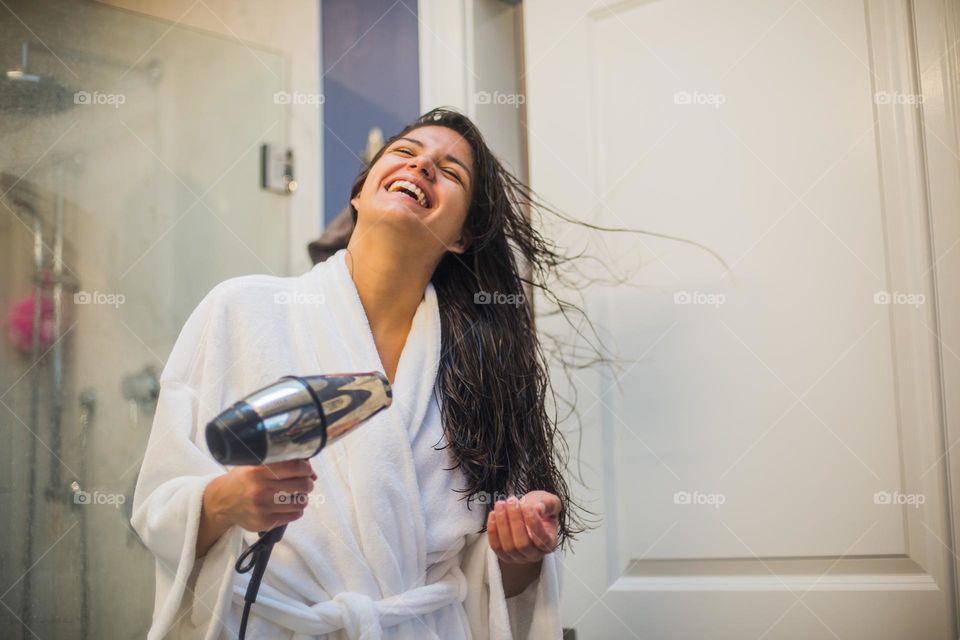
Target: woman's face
420	189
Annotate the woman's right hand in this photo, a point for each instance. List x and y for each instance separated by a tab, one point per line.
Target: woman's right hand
255	498
259	498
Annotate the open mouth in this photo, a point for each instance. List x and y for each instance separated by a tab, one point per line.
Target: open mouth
410	190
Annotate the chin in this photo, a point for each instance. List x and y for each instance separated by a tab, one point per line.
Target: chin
399	212
396	221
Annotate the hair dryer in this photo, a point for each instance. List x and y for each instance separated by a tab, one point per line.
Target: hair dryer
294	418
291	419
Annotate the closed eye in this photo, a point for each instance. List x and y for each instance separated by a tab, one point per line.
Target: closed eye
450	172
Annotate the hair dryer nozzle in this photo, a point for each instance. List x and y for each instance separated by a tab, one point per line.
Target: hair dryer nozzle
236	436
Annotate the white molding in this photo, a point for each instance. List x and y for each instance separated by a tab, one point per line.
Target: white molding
826	573
469	59
443	52
865	582
321	130
906	216
938	26
304	134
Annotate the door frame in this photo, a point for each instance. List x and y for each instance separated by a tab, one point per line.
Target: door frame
935	33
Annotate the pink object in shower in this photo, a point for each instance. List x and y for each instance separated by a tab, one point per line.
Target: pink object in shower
20	323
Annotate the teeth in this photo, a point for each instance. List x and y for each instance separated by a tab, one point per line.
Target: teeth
409	186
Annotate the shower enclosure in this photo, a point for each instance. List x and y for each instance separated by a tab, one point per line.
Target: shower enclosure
129	186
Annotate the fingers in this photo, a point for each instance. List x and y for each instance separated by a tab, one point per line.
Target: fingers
523	545
511	534
538	533
493	535
551	502
288	496
288	469
292	485
278	519
284	491
290	513
552	505
499	538
263	497
503	530
283	509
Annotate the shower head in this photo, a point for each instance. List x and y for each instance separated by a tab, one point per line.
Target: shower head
28	93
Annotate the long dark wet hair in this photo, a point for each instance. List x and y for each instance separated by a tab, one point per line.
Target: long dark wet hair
493	377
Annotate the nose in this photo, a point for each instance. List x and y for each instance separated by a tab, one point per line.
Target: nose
423	165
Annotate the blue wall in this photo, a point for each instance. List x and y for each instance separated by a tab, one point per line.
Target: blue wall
371	78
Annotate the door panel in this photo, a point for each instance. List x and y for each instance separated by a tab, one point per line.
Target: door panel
766	460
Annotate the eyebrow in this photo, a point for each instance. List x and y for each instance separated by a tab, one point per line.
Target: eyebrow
446	157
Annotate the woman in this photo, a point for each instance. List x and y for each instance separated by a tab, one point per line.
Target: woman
439	518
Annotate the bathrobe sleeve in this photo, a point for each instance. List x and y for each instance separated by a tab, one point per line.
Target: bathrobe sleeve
533	614
175	471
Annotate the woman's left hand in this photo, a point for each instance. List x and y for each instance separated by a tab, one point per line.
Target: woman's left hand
524	531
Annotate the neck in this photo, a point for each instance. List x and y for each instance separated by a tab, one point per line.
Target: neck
390	283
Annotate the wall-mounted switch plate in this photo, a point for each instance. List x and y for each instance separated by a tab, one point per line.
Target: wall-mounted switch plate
276	169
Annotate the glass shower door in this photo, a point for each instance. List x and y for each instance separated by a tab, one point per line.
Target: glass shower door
129	175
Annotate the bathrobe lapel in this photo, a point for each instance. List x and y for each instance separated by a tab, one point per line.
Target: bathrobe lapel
388	522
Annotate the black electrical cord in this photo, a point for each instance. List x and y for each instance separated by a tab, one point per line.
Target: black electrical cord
255	557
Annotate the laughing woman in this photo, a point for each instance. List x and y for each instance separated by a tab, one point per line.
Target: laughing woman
443	517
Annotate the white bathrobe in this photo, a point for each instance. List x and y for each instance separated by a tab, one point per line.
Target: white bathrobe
386	547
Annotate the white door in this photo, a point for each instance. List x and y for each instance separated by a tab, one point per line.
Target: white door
768	461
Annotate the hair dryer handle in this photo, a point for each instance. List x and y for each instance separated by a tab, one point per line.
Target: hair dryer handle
251	554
